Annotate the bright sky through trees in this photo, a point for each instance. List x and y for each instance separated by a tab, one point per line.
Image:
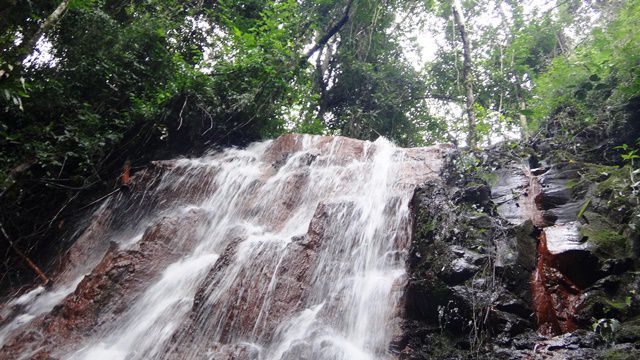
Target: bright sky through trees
430	37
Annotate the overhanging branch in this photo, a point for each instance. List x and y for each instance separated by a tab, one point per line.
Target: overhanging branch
331	33
30	44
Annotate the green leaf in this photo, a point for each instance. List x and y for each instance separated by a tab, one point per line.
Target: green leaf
583	208
527	112
80	4
249	39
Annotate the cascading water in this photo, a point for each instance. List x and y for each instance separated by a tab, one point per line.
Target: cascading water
289	249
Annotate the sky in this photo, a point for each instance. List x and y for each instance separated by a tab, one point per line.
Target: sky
430	36
430	39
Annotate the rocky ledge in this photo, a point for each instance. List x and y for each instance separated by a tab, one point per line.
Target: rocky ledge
515	258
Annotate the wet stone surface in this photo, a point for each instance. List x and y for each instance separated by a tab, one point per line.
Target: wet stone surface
289	249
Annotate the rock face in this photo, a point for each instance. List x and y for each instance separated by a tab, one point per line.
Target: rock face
469	274
311	247
522	273
290	249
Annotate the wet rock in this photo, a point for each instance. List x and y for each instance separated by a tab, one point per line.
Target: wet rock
576	345
517	250
624	351
233	352
108	289
90	246
508	302
537	171
632	232
479	220
464	265
284	276
565	237
616	266
425	296
592	306
510	194
573	340
586	271
526	341
456	284
629	332
469	272
469	256
516	258
298	351
280	147
555	191
477	194
508	323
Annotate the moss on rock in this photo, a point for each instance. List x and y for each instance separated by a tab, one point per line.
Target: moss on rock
604	236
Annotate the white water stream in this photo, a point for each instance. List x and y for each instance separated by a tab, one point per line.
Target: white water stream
297	251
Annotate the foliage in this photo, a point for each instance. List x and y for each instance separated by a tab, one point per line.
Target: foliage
366	87
507	55
628	153
194	74
602	72
141	67
606	328
111	81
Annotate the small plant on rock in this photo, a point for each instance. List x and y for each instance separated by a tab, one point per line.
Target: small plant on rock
629	154
606	329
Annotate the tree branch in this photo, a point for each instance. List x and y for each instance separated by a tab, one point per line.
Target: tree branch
25	258
334	30
30	44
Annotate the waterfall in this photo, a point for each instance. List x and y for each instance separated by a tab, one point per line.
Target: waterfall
293	248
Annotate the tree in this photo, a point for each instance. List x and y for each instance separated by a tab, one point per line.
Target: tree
132	80
508	51
363	85
467	74
596	85
28	45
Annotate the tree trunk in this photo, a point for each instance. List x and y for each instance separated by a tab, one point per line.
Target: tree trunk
29	45
322	72
467	75
524	128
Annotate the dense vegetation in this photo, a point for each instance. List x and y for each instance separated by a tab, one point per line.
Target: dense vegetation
86	85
